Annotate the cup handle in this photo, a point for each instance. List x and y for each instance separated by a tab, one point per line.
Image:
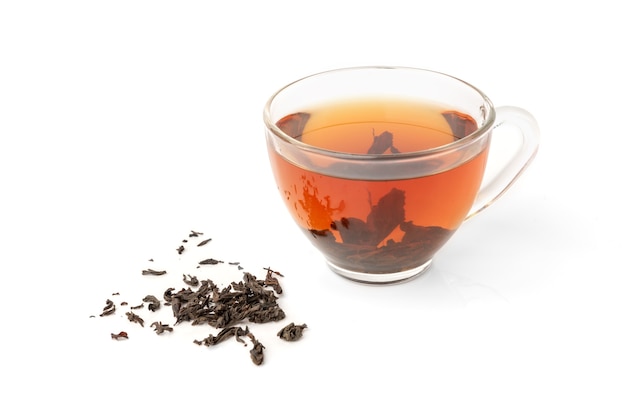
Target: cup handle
529	132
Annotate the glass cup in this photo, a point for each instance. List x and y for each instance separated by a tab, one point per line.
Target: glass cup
379	166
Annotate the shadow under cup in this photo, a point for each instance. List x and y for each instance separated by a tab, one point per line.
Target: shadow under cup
379	166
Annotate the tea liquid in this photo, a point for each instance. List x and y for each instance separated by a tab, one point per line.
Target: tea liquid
384	225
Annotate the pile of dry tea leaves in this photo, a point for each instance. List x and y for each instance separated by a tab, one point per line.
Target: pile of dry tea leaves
202	302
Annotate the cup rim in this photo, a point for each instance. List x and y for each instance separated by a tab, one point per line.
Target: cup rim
459	143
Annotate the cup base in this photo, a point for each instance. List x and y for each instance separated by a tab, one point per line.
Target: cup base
383	278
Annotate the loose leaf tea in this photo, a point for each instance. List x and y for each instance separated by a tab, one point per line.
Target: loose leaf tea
209	261
160	328
191	280
256	353
291	332
123	335
272	281
109	308
132	317
224	308
244	300
150	272
154	303
223	335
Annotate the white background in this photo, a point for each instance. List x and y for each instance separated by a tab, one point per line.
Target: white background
126	124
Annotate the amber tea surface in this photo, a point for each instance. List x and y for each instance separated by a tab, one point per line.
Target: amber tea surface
378	226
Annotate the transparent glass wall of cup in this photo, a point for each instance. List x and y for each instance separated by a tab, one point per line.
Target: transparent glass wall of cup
379	166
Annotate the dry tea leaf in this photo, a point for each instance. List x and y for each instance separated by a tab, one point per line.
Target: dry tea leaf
223	335
272	281
209	261
191	280
154	303
256	353
291	332
150	272
134	318
160	328
203	302
109	308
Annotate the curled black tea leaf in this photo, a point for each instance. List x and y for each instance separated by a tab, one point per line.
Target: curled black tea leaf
167	295
291	332
122	335
272	281
109	308
256	353
134	318
160	328
230	332
191	280
154	303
